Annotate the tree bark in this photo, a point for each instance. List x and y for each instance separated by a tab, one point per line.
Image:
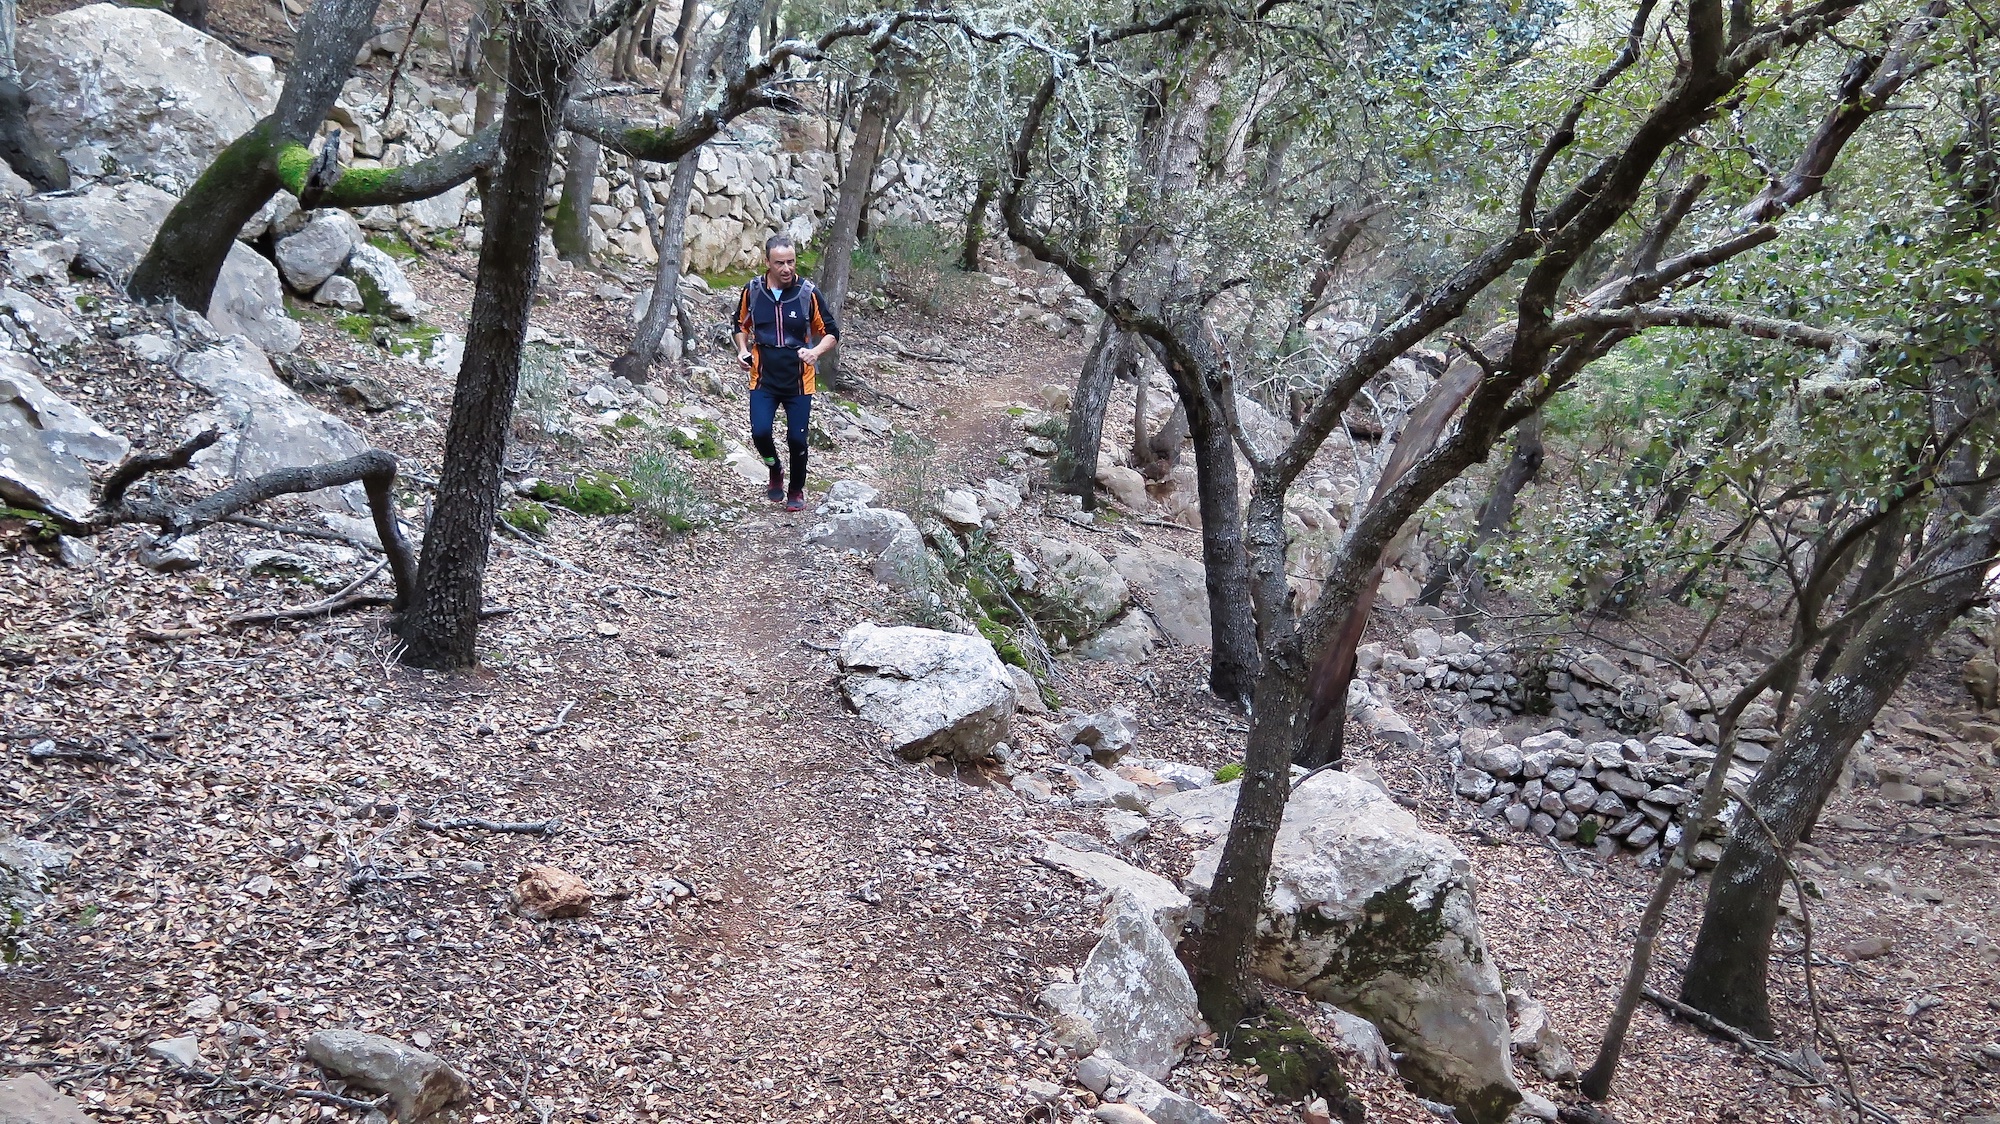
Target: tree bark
975	221
571	230
1727	973
441	626
836	263
1523	464
490	69
1075	470
636	365
1876	574
186	256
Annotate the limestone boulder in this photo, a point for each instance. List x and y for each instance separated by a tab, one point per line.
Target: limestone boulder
266	425
385	291
888	537
318	250
1127	640
30	1100
1151	894
34	325
1077	583
133	90
112	226
44	444
1125	485
1368	911
27	868
1173	586
931	692
1133	993
249	301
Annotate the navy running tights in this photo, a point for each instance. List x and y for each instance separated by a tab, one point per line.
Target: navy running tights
764	405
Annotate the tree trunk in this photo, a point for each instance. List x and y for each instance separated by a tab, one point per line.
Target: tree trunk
490	71
673	85
441	628
1727	973
1075	469
1876	574
1494	515
194	13
1233	654
975	221
571	229
843	233
636	365
187	254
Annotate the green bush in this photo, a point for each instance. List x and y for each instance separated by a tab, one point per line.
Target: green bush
593	493
699	438
1229	772
913	471
541	395
665	491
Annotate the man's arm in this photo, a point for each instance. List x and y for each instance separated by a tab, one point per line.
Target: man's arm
743	327
823	323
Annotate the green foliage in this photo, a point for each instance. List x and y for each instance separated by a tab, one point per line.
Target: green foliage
541	395
1052	427
528	517
394	247
1229	772
913	470
700	438
663	490
917	263
592	493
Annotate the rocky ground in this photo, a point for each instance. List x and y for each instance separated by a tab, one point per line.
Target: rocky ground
267	828
791	923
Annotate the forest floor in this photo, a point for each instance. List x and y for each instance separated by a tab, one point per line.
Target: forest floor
791	924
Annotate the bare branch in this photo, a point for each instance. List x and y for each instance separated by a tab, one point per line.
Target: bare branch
1639	317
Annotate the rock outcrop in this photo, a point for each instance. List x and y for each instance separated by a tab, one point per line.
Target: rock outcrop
45	442
932	692
266	424
135	91
1370	912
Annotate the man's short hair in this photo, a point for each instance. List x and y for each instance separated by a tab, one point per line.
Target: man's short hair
778	242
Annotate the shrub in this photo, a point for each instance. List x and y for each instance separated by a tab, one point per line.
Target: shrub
528	517
700	439
541	395
912	473
1229	772
665	491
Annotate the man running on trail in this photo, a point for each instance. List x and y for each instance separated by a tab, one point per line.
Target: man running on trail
782	328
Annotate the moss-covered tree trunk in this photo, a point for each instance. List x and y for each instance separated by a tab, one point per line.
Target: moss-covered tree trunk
636	365
571	230
441	627
187	255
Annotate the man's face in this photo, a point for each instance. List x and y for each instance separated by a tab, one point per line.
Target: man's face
781	266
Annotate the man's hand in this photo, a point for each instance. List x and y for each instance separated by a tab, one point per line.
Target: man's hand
743	357
808	354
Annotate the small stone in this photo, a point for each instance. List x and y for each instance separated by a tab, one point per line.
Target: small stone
1609	805
1502	761
203	1009
1517	816
1536	764
1624	827
546	892
1566	827
341	293
1642	836
1579	797
1552	803
184	1051
183	553
418	1083
1559	778
30	1100
1902	792
1541	823
1124	827
1669	795
1706	854
75	553
1120	1114
1474	784
1869	948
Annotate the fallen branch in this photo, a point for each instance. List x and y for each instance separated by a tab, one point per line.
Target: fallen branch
266	1085
1763	1051
80	800
340	601
534	827
242	520
51	751
562	719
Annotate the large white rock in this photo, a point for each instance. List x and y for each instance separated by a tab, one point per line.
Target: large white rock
1133	993
249	301
933	692
1128	640
112	226
1174	587
266	424
384	288
44	441
318	250
139	89
36	325
30	1100
443	211
1153	895
1078	581
1115	1081
1369	911
887	536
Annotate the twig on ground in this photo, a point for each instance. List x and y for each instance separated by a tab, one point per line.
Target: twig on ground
80	800
819	646
562	719
527	546
1016	1016
266	1085
54	751
1763	1052
533	827
303	532
338	601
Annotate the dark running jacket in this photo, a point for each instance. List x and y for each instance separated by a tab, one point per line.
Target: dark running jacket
778	324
